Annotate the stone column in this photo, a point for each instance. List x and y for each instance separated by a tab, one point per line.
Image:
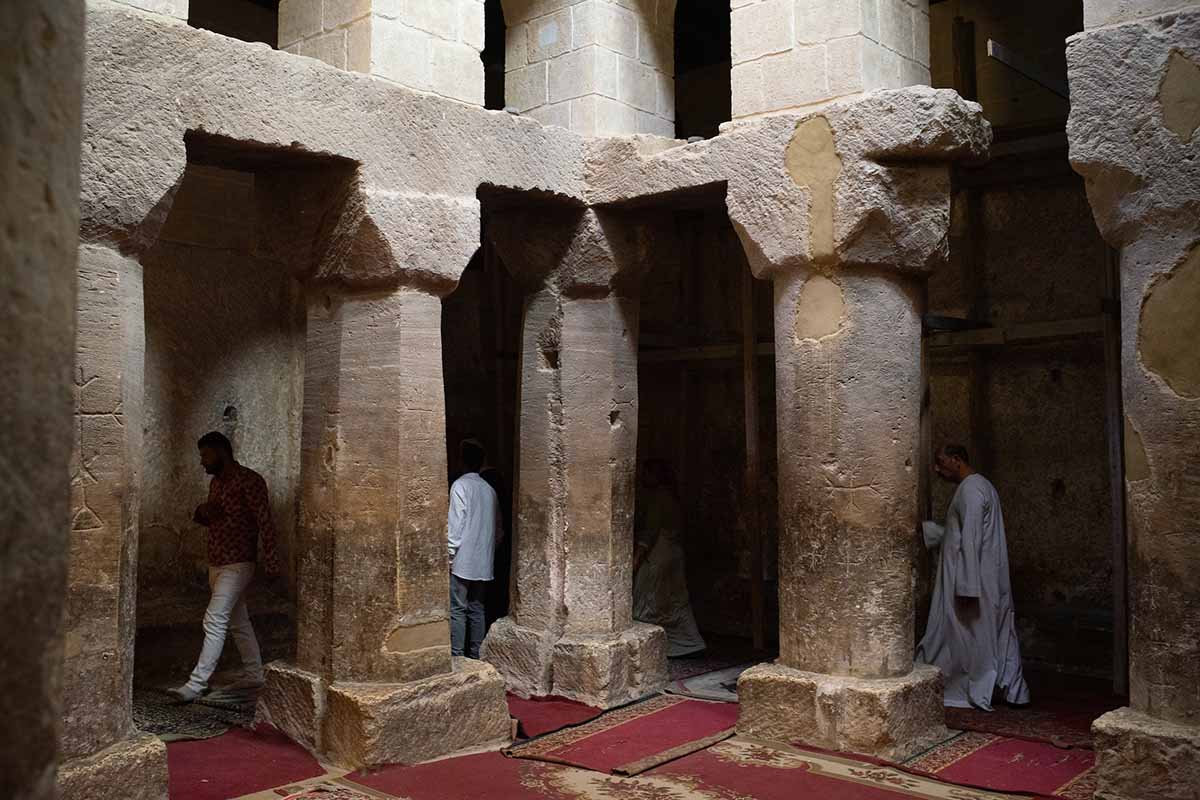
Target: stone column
570	631
599	68
374	681
40	102
1135	91
793	55
103	754
848	263
431	46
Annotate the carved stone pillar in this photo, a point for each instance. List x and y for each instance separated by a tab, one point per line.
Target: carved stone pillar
848	304
1135	90
570	631
374	681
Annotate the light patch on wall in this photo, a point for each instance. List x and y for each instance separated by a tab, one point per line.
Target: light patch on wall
548	34
407	638
1179	96
1170	328
1137	465
820	309
811	159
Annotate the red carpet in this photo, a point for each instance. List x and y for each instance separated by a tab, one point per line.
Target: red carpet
236	763
540	715
735	769
1009	765
633	739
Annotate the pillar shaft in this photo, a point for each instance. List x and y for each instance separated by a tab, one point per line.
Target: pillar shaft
1136	151
40	92
571	631
848	376
99	741
373	647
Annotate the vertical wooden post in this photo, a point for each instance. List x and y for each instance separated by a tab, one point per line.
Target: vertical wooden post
750	396
1115	418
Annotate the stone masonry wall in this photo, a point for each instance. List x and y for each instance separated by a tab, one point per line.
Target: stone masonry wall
793	55
429	45
597	67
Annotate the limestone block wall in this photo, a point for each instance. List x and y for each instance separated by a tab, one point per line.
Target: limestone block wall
429	45
597	67
793	55
41	80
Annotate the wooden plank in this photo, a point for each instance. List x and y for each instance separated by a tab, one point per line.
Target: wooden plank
750	484
1115	432
1019	63
1021	333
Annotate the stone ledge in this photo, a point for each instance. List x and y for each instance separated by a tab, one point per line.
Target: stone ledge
1140	757
386	723
293	700
890	718
132	769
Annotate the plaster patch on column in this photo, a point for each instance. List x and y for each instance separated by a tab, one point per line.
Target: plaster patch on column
1137	465
811	159
820	309
1170	328
1179	96
421	636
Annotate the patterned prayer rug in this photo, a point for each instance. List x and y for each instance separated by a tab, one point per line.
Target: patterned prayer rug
154	711
720	685
239	763
1006	764
635	738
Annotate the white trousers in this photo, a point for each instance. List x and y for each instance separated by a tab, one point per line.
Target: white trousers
227	613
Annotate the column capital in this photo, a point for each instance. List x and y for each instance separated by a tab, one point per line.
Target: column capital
860	183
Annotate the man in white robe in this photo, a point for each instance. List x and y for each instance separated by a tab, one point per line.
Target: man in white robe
660	594
971	635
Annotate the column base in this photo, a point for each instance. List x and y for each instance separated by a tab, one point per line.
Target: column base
1140	757
890	718
523	656
132	769
599	670
358	725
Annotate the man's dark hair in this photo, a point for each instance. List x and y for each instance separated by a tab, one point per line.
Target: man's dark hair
956	451
472	456
217	441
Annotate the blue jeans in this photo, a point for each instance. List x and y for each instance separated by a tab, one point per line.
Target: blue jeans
466	616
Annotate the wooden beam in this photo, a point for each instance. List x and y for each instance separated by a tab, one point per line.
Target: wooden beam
1019	63
753	512
1020	333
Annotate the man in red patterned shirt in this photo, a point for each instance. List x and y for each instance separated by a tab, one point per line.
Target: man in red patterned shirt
237	514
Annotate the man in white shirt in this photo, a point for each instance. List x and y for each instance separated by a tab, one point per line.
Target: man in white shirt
473	527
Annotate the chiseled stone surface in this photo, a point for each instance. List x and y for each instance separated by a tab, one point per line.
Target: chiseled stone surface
1141	757
133	768
378	723
891	718
293	701
1132	137
41	78
1143	182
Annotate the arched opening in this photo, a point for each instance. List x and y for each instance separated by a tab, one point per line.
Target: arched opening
1035	399
248	20
706	451
702	67
481	334
492	55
